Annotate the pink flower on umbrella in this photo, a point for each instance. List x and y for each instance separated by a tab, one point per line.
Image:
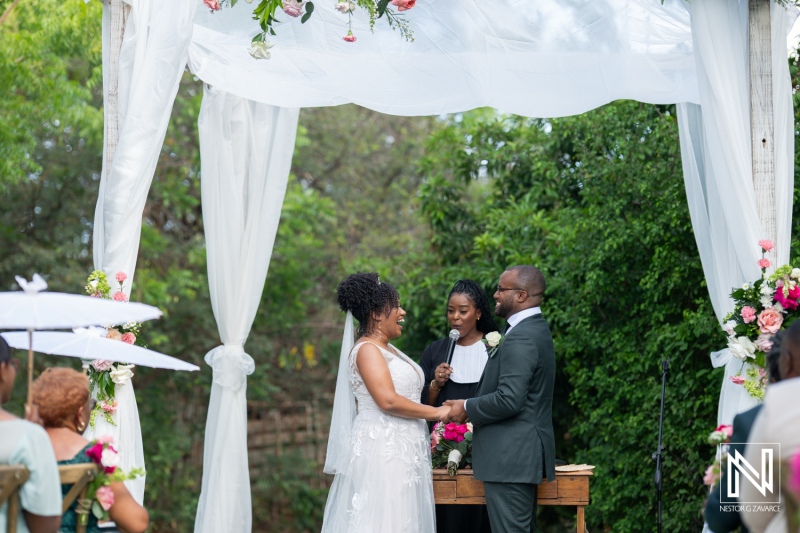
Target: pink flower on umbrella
101	365
293	8
122	276
128	337
213	5
764	263
766	245
350	38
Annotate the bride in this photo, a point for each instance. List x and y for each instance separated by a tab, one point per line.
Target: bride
379	448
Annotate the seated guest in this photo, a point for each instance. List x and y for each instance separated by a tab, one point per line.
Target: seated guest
776	423
26	444
718	519
62	396
468	312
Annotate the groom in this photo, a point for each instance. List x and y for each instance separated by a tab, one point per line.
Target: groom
513	443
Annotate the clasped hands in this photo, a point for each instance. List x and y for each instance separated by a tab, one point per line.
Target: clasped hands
452	411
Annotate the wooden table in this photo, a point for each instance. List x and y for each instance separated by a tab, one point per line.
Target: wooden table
569	488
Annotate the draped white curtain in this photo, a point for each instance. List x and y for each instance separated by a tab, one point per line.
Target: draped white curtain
246	152
151	62
717	162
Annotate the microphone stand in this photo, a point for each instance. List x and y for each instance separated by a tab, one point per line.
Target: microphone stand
658	456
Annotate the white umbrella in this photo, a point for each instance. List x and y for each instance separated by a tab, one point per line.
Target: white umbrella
92	344
32	309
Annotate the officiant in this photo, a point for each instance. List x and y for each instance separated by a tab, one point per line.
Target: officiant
469	313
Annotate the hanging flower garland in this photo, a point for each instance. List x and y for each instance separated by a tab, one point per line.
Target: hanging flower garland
105	375
265	10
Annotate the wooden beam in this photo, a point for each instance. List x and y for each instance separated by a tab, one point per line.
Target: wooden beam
119	17
762	120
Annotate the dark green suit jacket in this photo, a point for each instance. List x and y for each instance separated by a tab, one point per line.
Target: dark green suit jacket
512	415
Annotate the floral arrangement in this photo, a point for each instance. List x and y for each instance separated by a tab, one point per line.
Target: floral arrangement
265	10
105	375
721	435
762	308
451	446
492	341
99	496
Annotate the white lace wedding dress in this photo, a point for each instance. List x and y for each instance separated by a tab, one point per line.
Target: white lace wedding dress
387	487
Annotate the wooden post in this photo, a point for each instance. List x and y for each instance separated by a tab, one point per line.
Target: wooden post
762	120
119	17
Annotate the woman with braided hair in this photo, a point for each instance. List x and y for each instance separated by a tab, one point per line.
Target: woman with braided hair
378	447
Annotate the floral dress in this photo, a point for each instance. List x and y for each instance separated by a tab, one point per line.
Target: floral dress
388	486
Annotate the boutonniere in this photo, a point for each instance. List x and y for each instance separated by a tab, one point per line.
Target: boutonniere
492	341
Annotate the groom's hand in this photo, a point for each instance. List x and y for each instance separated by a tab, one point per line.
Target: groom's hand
457	412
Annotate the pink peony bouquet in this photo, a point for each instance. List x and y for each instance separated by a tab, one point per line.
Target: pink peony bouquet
104	375
762	308
99	494
451	446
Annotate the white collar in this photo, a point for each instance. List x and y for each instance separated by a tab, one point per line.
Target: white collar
516	318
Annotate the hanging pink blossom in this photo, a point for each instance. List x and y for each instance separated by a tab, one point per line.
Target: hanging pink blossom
213	5
293	8
739	380
350	38
121	276
404	5
119	296
764	263
766	245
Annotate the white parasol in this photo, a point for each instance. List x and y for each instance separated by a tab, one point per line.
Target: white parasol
33	309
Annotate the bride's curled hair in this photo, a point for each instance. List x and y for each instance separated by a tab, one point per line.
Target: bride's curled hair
363	294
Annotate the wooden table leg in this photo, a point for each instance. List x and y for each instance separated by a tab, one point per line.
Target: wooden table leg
581	525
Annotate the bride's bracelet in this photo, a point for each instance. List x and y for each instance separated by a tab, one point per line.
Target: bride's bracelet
436	388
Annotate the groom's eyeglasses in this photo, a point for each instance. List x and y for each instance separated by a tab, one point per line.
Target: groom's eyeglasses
501	289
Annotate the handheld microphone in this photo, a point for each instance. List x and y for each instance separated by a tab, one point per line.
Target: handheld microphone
451	346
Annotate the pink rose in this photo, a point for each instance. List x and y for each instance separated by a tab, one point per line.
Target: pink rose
122	276
105	439
748	314
727	430
770	320
764	263
764	342
789	298
95	453
766	245
709	478
403	5
101	365
739	380
435	440
119	296
108	407
213	5
793	481
129	337
350	38
293	8
104	493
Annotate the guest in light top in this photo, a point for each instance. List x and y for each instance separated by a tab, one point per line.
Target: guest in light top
26	444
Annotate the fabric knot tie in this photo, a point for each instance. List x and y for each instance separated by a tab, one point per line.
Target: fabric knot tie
231	365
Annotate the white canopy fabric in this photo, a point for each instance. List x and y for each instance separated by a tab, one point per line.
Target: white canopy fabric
246	149
546	58
543	59
717	164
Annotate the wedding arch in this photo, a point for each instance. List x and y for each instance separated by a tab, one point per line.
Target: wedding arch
539	59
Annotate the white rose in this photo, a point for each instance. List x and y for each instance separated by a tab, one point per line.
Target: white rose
742	348
109	458
122	374
260	50
795	273
493	339
728	327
